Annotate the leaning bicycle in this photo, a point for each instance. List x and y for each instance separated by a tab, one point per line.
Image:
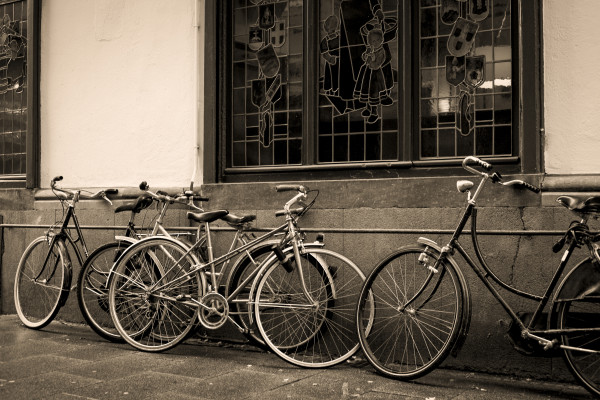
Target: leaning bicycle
302	297
43	277
92	289
415	306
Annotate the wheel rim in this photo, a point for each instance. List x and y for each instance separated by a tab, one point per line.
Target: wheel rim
408	340
39	292
585	366
143	292
317	333
93	290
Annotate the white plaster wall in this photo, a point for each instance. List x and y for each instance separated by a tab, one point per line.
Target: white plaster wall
572	86
119	85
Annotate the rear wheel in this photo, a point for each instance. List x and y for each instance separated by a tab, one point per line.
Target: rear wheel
92	289
582	315
318	331
42	282
406	339
240	305
152	294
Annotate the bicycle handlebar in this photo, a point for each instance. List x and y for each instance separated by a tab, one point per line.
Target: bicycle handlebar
188	197
479	162
496	177
289	188
64	194
522	184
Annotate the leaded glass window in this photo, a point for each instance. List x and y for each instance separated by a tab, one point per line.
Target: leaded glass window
358	85
267	83
13	88
465	75
346	82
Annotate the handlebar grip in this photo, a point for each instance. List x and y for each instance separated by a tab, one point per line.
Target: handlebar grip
528	186
57	178
485	165
144	185
200	198
288	188
111	191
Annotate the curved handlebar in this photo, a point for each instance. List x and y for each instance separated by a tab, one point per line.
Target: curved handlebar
477	161
495	177
289	188
188	197
64	194
522	184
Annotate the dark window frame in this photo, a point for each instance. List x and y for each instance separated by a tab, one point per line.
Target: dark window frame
31	178
527	100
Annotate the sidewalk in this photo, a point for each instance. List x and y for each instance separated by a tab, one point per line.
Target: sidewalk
71	362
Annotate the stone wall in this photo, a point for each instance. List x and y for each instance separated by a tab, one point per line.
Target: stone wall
364	220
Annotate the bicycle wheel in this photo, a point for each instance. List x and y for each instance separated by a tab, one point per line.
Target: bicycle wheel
310	332
92	289
407	341
239	306
151	294
581	314
42	282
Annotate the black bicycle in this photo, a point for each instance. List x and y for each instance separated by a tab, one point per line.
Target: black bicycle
43	278
421	302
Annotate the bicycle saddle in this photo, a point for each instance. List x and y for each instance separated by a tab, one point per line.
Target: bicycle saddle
140	203
209	216
238	220
582	204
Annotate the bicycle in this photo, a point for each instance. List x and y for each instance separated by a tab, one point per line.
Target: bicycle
44	273
154	304
423	305
92	293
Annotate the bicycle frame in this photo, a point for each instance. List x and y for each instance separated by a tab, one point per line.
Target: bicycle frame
487	276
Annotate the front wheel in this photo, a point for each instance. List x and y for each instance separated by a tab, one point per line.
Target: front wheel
409	317
314	331
42	282
152	294
92	289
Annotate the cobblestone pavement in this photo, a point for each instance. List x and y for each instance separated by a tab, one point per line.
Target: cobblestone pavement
65	361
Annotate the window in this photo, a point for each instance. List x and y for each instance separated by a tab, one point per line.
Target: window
345	84
18	92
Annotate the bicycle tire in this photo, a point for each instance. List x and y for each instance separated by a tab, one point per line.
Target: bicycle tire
585	366
39	293
409	343
240	309
150	294
314	335
92	289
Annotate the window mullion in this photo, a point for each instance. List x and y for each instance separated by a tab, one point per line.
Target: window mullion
310	86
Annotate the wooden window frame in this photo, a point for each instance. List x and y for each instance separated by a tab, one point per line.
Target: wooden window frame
527	100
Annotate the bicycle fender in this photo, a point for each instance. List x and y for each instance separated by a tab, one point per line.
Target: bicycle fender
466	314
583	280
62	247
125	239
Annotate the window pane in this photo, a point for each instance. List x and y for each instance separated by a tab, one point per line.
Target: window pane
13	87
267	83
465	79
358	68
